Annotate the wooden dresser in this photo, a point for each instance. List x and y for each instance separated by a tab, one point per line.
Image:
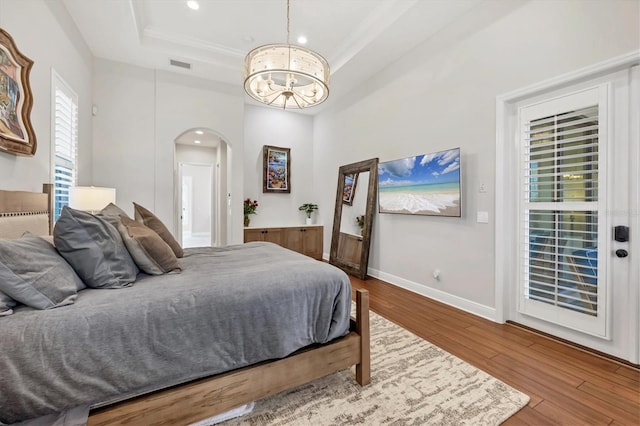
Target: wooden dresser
303	239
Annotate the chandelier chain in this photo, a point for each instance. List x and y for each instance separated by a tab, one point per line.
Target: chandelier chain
288	22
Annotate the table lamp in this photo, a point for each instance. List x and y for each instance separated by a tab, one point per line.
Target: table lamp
91	199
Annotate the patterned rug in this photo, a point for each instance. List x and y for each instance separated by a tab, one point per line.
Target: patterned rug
412	383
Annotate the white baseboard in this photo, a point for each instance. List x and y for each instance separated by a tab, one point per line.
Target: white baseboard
438	295
458	302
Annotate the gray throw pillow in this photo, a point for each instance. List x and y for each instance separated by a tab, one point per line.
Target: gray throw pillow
95	250
32	272
6	305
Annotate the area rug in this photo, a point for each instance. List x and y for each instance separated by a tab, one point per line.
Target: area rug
412	383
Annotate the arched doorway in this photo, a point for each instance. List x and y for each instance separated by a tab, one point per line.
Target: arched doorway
200	166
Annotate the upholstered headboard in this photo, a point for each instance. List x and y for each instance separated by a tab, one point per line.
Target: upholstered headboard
22	211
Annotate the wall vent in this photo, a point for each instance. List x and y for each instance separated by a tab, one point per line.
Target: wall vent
180	64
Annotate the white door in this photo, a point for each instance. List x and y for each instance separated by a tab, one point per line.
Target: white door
575	155
196	204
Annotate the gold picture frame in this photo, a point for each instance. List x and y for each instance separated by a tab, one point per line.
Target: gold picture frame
16	133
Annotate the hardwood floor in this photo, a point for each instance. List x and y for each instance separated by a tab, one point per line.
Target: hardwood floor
567	386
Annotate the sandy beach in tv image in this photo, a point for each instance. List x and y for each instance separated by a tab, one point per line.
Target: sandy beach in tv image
426	184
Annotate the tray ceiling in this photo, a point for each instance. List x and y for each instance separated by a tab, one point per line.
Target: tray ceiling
358	37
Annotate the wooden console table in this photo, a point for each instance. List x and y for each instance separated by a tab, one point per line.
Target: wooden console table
303	239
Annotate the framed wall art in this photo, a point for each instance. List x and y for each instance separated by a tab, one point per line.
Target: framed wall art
276	169
349	192
427	184
16	133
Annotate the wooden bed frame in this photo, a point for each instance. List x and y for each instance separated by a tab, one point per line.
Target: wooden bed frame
204	398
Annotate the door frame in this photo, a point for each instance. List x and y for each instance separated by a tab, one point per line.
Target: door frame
634	221
505	257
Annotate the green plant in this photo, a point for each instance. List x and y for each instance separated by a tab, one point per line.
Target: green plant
360	221
308	208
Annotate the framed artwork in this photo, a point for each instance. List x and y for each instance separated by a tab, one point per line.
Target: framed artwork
349	192
276	169
16	133
427	184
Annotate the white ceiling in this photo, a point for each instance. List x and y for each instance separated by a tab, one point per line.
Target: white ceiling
358	37
203	138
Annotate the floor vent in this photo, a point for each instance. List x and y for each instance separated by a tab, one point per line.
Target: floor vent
180	64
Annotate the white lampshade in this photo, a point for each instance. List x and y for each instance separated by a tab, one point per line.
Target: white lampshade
91	198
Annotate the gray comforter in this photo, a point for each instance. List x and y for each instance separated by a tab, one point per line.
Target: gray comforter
230	307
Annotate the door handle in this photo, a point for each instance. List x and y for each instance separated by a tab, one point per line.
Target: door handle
622	253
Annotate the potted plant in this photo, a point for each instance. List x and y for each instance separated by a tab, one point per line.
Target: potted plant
360	222
308	208
250	207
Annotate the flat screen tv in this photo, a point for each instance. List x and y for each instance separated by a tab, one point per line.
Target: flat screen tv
427	184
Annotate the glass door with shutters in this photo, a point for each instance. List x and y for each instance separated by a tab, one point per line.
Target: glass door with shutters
574	187
561	197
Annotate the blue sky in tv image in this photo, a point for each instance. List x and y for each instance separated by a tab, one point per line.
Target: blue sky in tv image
427	184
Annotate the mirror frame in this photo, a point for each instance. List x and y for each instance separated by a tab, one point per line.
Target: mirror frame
370	166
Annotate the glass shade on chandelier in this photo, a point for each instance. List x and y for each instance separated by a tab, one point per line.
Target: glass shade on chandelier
286	76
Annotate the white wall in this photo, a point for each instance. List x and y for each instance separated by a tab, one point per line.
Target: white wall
270	126
44	32
442	95
140	114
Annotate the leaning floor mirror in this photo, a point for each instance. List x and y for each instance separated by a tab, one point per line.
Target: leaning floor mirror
353	217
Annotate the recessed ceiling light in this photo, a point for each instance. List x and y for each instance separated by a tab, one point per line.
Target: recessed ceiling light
302	40
196	141
193	4
199	132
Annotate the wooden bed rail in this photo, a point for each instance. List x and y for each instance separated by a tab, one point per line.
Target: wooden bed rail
207	397
363	368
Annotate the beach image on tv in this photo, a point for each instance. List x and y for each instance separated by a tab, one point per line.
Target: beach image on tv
426	184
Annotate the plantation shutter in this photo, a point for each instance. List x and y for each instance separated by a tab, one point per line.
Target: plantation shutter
65	137
562	202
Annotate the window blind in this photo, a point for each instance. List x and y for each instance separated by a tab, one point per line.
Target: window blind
65	137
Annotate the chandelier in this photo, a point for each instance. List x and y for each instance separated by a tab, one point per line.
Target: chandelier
286	76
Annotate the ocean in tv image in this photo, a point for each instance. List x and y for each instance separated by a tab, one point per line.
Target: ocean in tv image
426	184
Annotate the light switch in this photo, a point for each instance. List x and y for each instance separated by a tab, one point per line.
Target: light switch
483	217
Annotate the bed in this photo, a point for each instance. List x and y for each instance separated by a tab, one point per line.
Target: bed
178	348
